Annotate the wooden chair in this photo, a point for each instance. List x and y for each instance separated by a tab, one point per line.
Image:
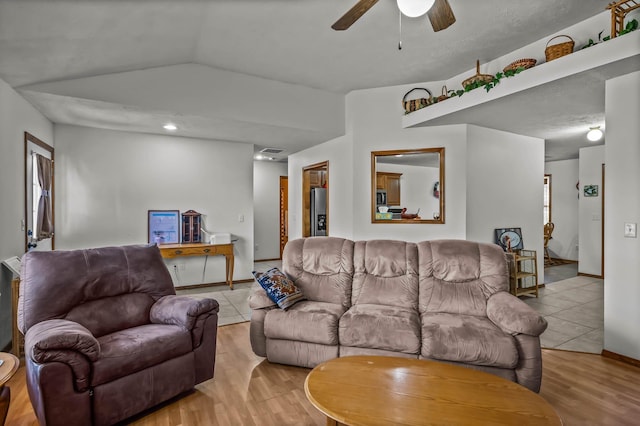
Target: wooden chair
548	230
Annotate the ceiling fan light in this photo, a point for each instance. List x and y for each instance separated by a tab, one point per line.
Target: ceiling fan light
414	8
595	134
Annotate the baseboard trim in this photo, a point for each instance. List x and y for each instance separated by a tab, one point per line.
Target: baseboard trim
221	283
627	360
582	274
267	260
567	261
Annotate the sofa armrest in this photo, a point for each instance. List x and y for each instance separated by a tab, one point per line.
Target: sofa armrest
182	311
258	299
64	341
513	316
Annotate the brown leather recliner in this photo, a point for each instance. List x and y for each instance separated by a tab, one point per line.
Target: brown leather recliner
105	335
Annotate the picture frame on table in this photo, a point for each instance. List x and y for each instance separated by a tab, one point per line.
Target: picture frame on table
510	239
163	226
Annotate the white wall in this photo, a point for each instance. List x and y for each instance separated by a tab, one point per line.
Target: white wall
266	208
564	208
338	152
374	118
622	268
107	180
16	117
373	122
504	187
590	211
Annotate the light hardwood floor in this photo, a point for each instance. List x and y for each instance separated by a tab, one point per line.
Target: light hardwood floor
585	389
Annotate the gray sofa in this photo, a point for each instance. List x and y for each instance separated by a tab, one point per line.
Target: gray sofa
443	300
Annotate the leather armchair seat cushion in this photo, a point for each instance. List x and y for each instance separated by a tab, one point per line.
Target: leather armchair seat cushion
128	351
313	322
468	339
391	328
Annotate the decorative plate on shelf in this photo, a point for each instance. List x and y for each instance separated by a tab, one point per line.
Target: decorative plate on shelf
510	239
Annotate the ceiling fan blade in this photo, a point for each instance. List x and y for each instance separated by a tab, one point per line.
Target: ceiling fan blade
353	14
441	15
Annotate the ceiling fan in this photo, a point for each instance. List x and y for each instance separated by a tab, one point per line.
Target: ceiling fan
440	14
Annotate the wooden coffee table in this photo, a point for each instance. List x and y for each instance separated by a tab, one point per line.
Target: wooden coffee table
375	390
7	369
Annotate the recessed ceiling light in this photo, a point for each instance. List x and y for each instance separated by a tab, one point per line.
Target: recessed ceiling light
170	126
259	157
398	155
595	134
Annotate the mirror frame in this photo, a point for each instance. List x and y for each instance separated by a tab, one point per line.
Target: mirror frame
375	154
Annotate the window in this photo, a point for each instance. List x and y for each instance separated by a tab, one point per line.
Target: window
547	199
36	190
38	155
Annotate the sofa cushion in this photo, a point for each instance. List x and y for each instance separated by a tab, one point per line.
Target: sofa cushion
108	314
90	275
321	267
314	322
468	339
390	328
279	287
385	273
134	349
459	276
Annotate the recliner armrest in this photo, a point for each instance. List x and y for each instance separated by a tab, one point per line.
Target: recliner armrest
182	311
64	341
258	299
513	316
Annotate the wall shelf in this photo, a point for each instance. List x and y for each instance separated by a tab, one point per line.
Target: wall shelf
603	61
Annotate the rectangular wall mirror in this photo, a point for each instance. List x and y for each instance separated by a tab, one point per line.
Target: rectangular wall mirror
407	186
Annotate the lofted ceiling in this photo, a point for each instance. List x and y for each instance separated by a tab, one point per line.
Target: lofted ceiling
290	41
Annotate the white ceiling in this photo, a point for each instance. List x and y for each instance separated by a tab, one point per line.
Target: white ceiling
285	40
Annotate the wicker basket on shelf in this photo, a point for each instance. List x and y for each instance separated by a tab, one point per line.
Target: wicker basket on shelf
415	104
445	94
520	63
483	78
559	50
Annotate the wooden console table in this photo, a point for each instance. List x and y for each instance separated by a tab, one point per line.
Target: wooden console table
17	339
170	251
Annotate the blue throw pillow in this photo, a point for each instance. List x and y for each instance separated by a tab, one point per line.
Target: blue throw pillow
279	287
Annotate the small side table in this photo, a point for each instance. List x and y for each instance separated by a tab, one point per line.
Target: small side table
8	368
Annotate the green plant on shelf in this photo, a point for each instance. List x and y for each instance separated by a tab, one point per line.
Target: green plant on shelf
631	26
488	85
476	84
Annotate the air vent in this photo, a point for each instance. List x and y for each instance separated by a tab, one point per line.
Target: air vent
271	151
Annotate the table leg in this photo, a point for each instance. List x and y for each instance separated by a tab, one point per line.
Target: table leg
5	398
331	422
230	263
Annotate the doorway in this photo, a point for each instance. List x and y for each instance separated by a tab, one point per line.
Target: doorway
284	212
315	199
39	200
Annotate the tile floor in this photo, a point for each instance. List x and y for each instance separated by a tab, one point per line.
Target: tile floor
572	305
234	304
574	309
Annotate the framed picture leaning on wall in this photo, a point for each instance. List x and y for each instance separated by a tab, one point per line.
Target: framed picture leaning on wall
510	239
163	226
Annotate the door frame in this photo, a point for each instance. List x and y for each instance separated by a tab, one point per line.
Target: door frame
30	139
284	212
306	193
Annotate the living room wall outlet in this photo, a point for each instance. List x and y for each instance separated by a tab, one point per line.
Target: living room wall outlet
630	230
